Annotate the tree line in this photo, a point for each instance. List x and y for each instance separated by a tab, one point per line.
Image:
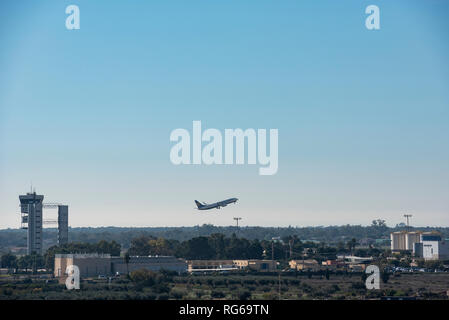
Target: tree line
331	234
218	246
215	246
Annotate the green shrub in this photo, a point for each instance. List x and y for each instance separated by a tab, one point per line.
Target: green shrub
216	294
178	294
244	295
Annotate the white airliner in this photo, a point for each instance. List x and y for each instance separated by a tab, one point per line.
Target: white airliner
216	205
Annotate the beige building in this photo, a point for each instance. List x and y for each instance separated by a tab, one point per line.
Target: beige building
307	264
404	240
89	265
256	265
333	264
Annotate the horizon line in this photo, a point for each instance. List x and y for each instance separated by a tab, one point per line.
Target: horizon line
232	226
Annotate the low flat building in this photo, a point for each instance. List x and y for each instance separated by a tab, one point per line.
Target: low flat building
257	265
355	259
89	264
231	265
307	264
333	264
94	265
152	263
210	265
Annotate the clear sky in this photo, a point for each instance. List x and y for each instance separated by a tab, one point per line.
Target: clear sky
363	116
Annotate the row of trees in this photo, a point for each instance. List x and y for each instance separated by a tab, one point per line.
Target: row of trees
113	248
218	246
330	234
27	262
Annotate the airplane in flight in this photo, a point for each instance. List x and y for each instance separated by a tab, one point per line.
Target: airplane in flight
216	205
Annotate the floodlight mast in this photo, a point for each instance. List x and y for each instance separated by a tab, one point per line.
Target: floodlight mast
408	216
237	221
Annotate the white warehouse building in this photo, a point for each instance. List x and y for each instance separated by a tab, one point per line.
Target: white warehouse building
431	247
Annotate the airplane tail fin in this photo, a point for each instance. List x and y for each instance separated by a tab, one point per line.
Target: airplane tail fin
198	204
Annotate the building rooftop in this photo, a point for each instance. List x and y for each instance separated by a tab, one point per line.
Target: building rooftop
82	255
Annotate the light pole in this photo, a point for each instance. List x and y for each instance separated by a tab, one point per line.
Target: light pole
237	221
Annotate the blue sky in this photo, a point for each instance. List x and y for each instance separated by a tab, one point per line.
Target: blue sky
363	116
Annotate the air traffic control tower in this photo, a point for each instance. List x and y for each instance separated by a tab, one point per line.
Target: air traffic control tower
31	209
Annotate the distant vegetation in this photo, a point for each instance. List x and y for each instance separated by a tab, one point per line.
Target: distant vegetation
10	238
215	246
243	285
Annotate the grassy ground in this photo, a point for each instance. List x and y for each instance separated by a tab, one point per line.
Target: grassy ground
351	286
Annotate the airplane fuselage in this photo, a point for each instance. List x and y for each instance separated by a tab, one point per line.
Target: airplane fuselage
216	205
